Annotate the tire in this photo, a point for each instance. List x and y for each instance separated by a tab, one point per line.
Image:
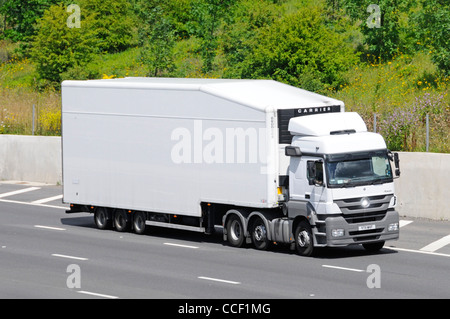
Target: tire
373	247
304	242
121	222
102	218
259	234
235	231
139	223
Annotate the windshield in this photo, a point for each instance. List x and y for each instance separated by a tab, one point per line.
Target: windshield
368	168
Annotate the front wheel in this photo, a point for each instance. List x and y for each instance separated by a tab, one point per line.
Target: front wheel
304	239
373	247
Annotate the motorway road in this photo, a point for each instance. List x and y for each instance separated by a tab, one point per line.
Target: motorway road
45	253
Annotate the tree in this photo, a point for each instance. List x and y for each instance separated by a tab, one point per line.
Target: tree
208	16
114	23
432	29
20	17
383	40
156	38
240	37
299	49
57	48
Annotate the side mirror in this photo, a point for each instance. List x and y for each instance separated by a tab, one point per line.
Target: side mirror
397	164
393	157
292	151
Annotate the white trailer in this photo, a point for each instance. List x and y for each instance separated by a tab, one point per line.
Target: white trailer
198	153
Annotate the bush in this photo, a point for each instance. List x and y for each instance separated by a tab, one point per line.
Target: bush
299	49
57	48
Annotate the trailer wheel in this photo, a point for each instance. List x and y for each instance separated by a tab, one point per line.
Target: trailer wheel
102	219
235	231
259	234
121	220
304	239
139	223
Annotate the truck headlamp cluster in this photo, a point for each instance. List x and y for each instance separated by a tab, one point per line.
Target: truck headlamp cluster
393	227
337	232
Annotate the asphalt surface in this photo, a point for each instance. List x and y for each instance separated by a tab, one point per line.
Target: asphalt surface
45	253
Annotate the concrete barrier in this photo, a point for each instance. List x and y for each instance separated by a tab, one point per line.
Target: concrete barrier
31	158
423	190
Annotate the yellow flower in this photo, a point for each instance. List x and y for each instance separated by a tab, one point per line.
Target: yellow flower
105	76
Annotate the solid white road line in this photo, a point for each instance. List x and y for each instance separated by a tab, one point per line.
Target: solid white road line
343	268
220	280
403	223
46	200
49	227
69	257
183	246
97	294
419	251
437	244
20	191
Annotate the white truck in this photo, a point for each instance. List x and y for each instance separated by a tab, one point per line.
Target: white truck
266	161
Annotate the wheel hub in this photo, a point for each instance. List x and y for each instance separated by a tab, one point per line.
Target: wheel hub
303	239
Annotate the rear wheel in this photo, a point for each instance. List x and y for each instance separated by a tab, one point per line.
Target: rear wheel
304	239
139	223
121	220
235	231
259	234
102	218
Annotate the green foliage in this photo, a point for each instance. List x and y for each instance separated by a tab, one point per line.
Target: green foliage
209	15
61	52
56	48
301	50
324	46
383	41
432	31
156	38
113	23
20	17
240	37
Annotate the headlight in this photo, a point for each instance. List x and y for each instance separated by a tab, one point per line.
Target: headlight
393	227
337	232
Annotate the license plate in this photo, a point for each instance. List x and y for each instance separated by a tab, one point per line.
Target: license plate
366	227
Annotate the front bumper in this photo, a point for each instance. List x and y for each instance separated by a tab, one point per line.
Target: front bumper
361	233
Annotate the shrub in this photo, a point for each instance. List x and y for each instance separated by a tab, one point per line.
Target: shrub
57	48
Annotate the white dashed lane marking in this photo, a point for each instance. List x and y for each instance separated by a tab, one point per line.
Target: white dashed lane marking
438	244
48	199
20	191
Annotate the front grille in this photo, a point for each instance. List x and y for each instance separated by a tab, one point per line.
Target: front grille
354	213
365	232
365	217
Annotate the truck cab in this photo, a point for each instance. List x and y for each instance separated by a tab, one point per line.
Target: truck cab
341	189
